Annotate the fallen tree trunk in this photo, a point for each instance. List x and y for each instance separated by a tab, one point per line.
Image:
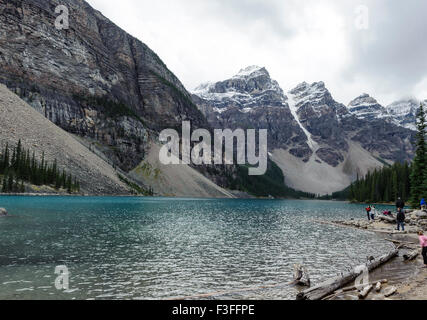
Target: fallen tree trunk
411	256
387	219
401	242
326	288
353	288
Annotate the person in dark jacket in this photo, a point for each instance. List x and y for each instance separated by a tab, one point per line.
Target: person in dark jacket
401	219
400	204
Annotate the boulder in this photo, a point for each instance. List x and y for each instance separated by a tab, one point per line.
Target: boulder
3	212
421	214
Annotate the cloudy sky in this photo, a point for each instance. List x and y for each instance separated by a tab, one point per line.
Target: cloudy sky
354	46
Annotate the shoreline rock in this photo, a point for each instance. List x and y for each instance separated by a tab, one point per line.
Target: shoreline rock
3	212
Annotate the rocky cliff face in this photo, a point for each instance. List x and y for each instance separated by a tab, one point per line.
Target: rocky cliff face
94	79
21	122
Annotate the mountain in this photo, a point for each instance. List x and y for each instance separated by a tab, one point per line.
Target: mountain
103	86
252	99
320	145
114	94
405	112
366	107
402	112
251	87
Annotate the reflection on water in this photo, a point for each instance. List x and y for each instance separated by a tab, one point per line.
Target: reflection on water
149	248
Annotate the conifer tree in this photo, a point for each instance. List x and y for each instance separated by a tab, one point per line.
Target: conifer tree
4	185
419	165
23	168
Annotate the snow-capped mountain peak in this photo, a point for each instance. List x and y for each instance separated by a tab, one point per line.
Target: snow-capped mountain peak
366	107
251	87
315	94
251	72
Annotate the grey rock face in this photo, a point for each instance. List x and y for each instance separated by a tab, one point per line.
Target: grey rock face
61	72
20	122
321	115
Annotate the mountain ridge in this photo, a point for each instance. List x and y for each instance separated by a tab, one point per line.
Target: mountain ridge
308	130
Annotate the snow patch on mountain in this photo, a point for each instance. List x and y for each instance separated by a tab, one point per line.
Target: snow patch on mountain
313	93
314	146
405	112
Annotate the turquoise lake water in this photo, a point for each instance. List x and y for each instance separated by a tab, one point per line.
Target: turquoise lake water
162	248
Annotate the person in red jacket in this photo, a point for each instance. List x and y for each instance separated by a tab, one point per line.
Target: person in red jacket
423	243
368	211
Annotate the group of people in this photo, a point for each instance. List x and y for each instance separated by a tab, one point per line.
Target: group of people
400	218
400	205
371	212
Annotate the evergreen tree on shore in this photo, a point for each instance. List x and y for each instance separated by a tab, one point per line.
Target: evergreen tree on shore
419	165
398	180
22	168
383	185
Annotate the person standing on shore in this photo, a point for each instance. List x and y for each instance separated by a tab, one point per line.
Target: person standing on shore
368	212
423	204
373	213
423	243
401	219
400	204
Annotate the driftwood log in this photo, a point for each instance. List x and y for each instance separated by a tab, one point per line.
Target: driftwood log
356	288
364	293
301	276
387	219
402	244
390	291
327	288
411	256
353	288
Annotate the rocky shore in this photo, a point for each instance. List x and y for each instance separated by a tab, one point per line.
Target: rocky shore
407	276
416	220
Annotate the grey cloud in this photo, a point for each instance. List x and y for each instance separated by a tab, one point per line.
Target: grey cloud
393	51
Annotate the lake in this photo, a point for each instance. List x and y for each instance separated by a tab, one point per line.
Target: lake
163	248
